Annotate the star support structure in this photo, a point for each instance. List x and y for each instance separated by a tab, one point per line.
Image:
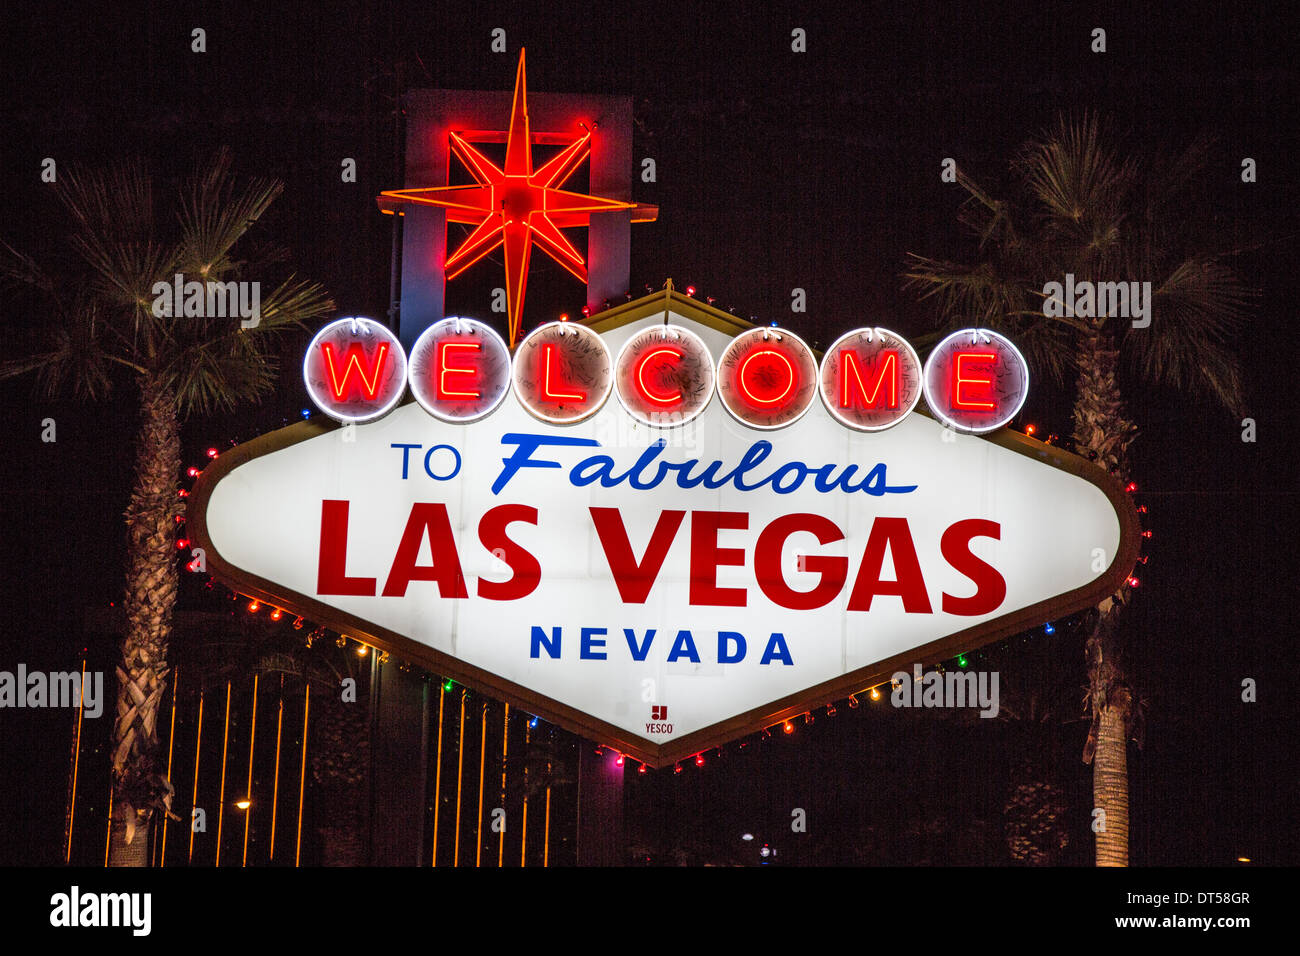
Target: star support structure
517	207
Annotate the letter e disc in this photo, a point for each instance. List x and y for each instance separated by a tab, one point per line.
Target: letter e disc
976	380
767	378
664	376
355	370
459	370
870	379
563	373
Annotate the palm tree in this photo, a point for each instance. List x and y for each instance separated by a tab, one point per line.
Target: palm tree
1081	208
98	330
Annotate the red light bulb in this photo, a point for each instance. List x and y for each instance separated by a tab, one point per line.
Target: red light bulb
212	453
690	290
788	728
699	760
619	761
192	471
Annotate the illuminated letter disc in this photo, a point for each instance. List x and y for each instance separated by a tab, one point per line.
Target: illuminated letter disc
976	380
459	370
562	373
664	376
767	378
870	379
355	370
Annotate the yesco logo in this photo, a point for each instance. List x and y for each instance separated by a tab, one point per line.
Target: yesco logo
659	721
460	370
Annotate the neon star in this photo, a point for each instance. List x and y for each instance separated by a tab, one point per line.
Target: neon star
516	206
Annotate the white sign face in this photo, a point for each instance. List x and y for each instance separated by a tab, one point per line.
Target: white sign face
663	591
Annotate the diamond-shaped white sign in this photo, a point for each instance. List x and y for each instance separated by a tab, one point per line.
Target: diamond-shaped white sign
572	571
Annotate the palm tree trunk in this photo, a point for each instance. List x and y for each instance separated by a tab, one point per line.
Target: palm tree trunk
1110	786
339	761
1103	434
152	579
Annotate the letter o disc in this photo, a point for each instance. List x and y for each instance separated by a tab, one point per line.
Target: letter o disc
767	378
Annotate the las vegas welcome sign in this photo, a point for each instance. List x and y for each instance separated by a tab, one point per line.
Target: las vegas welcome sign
666	528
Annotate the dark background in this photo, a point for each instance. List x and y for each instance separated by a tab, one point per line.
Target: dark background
775	170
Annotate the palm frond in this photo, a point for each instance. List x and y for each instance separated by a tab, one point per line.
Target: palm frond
216	211
18	269
978	295
116	231
69	356
293	303
1197	313
218	363
1082	190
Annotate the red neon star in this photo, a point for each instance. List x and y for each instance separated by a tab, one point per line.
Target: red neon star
518	206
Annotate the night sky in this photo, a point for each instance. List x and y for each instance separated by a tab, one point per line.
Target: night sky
775	170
